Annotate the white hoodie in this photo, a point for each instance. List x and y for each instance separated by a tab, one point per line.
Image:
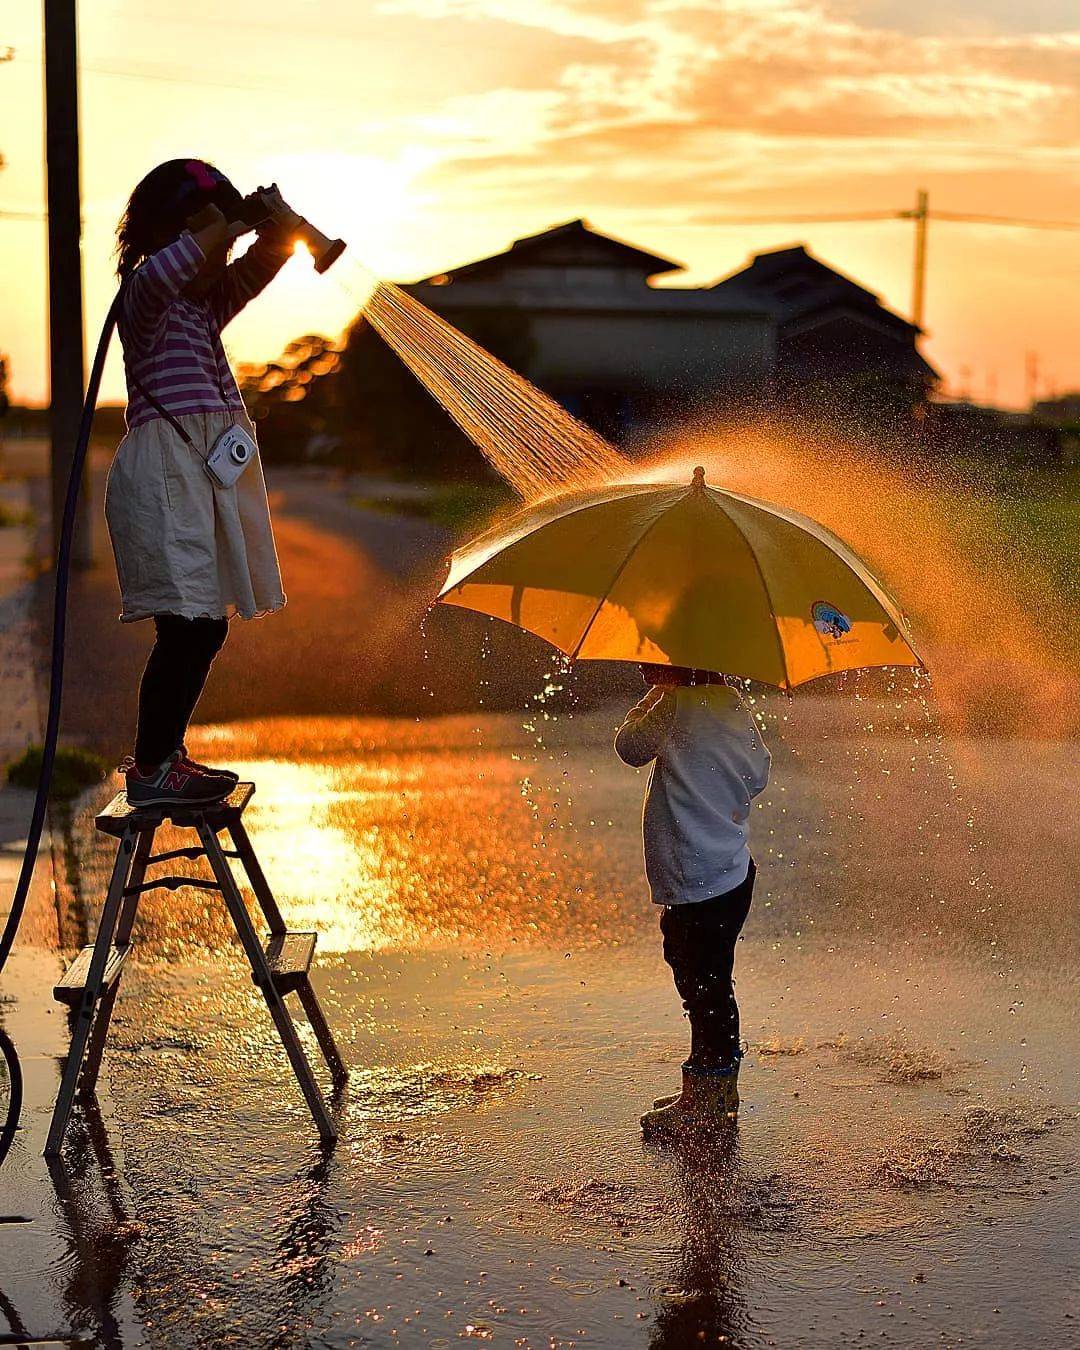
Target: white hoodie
710	762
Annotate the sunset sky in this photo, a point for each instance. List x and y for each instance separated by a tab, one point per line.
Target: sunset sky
430	132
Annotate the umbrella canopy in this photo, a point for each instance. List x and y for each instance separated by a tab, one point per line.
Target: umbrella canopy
684	575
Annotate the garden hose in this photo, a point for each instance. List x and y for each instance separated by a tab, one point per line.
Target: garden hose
56	673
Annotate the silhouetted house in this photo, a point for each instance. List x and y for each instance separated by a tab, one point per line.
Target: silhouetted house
831	333
1062	410
579	314
602	339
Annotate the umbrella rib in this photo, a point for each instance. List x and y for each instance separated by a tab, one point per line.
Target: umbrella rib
768	596
618	573
840	547
499	529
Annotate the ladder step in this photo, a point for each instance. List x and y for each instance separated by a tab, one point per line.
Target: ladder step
71	988
120	816
289	956
172	884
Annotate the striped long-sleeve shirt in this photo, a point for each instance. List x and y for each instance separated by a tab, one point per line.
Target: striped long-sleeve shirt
172	342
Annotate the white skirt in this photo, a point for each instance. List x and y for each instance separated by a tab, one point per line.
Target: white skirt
182	544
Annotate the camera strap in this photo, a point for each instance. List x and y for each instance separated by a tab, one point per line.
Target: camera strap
224	443
162	411
160	408
169	417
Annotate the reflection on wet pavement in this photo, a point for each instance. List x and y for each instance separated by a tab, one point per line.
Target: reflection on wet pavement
490	964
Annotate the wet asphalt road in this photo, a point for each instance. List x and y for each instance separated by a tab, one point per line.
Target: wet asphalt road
902	1174
491	967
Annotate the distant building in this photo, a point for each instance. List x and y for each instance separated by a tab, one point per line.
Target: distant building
829	329
1062	409
603	341
626	354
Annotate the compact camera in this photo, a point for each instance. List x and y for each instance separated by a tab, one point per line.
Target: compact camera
229	456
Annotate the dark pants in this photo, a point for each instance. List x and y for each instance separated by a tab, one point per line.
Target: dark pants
699	946
175	673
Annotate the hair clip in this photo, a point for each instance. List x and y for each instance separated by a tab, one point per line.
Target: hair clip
202	174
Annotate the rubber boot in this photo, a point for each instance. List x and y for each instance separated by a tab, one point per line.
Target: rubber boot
709	1098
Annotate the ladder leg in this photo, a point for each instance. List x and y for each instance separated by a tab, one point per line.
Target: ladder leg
259	885
319	1025
128	906
85	1014
308	998
274	1001
86	1086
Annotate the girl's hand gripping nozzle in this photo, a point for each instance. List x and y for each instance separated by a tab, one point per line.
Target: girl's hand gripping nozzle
266	203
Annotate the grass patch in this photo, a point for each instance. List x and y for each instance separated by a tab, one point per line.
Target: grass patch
10	515
1044	521
455	506
74	770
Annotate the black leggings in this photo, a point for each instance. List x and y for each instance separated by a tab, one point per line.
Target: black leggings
175	673
699	946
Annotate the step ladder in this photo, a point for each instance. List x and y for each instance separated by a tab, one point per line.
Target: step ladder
278	968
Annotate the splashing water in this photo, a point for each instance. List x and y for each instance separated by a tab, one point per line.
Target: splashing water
994	627
915	526
538	447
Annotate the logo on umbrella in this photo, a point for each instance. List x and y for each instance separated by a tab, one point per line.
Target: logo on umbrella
828	620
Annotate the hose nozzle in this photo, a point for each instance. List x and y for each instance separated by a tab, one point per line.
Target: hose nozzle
254	211
323	250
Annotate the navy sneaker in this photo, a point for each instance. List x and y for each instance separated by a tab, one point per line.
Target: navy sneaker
174	782
205	768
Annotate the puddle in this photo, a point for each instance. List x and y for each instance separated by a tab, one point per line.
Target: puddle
507	1016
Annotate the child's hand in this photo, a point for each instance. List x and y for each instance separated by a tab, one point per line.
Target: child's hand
282	216
212	231
653	697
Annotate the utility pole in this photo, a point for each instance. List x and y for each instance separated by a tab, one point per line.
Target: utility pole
920	216
1031	376
66	368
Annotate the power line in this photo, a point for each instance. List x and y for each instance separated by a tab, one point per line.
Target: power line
921	215
1014	221
857	217
841	218
154	76
852	216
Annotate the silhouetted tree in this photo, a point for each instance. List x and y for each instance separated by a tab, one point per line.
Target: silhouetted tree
293	400
359	406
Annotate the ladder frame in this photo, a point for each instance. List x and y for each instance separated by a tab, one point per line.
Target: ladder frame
135	829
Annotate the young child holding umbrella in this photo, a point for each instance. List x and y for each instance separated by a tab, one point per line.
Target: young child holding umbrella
709	763
727	582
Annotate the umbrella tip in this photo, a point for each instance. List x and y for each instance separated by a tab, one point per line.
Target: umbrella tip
699	477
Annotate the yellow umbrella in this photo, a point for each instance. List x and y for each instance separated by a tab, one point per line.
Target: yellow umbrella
684	575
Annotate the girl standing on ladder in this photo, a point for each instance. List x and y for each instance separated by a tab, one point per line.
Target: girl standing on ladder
189	552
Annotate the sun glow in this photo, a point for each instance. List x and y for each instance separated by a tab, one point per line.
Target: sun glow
361	198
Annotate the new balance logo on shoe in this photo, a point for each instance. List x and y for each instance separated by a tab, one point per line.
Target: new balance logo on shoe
175	782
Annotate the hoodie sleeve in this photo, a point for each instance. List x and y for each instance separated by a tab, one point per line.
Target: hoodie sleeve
647	726
760	759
